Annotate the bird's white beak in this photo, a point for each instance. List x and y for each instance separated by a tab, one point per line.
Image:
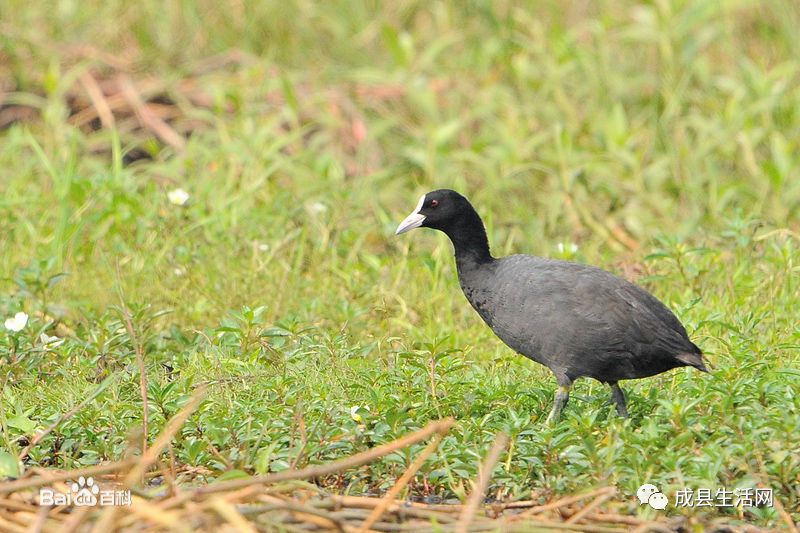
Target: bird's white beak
414	220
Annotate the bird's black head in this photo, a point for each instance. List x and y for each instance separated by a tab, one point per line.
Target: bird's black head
448	211
438	210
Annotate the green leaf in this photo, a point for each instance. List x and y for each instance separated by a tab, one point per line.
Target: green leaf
22	423
53	280
264	458
9	466
233	474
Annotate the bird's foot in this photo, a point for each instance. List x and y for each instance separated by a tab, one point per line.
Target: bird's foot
618	398
562	396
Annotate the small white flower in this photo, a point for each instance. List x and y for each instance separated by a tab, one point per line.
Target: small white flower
179	271
263	247
572	247
50	342
354	413
178	197
317	207
17	322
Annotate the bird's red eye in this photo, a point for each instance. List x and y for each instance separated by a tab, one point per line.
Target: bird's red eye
434	203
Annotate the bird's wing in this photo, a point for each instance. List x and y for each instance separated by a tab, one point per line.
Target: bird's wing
571	315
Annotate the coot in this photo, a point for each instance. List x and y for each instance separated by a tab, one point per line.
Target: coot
577	320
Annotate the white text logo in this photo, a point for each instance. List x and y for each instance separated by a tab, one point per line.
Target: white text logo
84	493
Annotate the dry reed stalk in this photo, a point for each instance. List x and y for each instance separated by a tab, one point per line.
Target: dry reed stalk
484	476
90	471
392	493
559	503
147	118
98	99
137	347
172	427
229	513
594	504
334	466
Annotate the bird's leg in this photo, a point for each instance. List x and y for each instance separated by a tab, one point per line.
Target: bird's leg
619	400
562	395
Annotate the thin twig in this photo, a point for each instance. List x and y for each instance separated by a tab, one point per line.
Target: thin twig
91	471
11	527
142	509
652	526
106	520
75	519
558	503
172	427
616	518
41	520
594	504
98	100
365	502
297	509
137	346
484	476
301	426
229	513
7	504
520	504
544	525
149	119
332	467
410	472
764	479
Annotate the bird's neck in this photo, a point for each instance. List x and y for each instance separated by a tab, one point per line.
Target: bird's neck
470	243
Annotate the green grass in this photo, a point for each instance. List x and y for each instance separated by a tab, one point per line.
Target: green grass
661	138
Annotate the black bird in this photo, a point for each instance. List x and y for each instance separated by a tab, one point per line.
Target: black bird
577	320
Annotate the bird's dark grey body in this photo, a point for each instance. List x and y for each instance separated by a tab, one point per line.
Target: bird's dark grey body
577	320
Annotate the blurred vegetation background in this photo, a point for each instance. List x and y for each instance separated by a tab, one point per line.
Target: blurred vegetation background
597	122
658	139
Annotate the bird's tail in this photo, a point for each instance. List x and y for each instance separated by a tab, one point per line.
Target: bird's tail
694	359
